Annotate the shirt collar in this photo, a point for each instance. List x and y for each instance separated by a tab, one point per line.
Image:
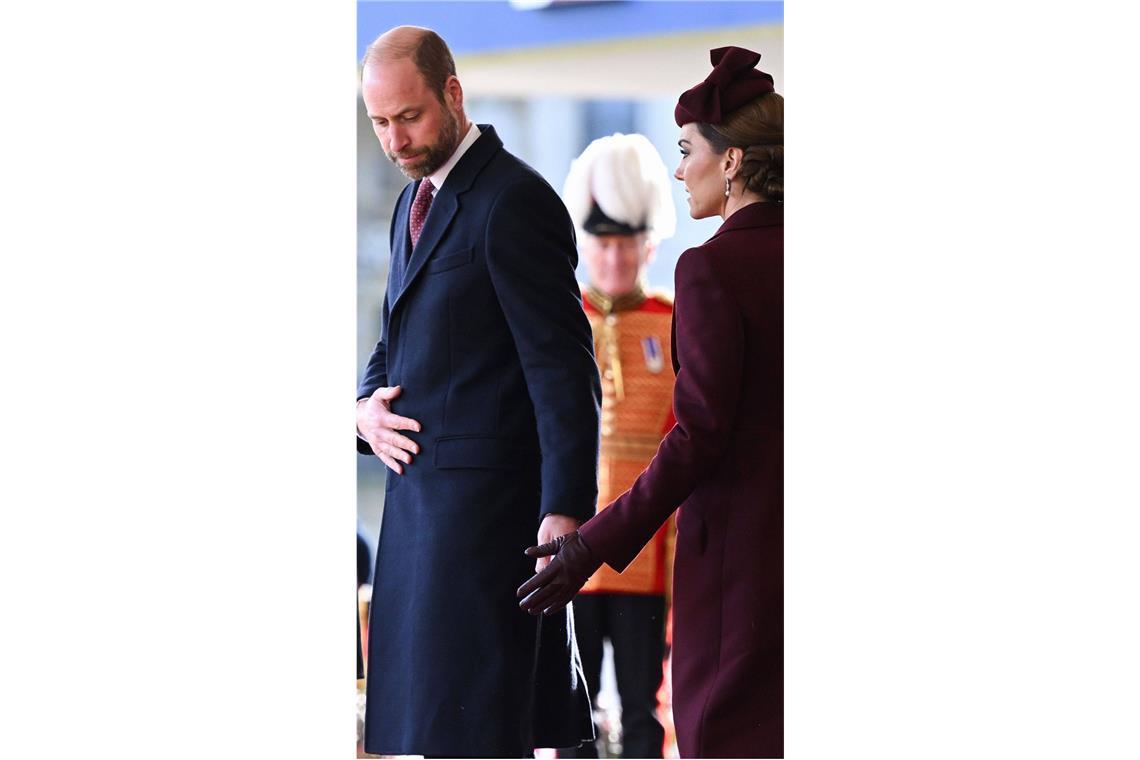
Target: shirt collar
440	176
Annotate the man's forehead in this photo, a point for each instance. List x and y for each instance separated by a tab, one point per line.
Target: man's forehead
616	240
387	99
396	76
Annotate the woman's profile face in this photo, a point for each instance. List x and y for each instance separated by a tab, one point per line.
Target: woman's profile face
702	172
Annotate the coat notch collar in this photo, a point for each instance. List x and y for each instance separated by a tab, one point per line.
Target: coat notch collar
446	204
463	175
754	215
443	210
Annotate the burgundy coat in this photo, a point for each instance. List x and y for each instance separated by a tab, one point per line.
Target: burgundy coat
723	465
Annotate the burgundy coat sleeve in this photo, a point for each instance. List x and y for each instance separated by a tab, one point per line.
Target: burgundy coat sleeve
709	336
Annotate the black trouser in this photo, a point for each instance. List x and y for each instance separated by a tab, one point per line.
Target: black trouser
635	625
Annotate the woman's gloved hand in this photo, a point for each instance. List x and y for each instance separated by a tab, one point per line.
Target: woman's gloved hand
552	589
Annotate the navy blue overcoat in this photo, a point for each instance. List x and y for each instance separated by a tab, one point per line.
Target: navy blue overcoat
483	329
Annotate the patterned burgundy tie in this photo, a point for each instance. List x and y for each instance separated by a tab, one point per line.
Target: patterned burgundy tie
420	207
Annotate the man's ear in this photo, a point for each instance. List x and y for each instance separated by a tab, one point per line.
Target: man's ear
650	250
453	92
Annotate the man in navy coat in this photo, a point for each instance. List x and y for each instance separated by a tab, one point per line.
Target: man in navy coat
482	397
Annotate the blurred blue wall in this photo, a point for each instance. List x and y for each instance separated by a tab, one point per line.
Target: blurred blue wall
482	27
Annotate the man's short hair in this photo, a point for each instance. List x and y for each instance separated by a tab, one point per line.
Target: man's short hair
427	51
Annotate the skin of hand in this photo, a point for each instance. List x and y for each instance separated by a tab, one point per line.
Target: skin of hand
551	527
376	424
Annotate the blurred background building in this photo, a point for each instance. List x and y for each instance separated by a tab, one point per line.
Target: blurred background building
551	76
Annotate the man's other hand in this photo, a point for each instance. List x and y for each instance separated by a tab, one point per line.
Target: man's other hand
551	527
376	424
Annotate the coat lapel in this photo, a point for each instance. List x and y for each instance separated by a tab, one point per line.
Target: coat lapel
439	218
445	206
403	242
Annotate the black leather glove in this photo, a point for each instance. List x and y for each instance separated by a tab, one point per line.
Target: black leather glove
552	589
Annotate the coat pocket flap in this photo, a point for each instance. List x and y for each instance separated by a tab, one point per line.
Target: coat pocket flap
471	451
446	260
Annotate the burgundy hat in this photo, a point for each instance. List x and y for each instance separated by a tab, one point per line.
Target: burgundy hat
733	82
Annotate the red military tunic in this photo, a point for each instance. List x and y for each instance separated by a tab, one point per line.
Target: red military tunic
632	347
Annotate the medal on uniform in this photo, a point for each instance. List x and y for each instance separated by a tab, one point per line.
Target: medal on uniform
654	357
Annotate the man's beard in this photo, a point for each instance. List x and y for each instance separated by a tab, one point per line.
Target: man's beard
437	154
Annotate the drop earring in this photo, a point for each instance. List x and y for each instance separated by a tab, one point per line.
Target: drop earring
727	187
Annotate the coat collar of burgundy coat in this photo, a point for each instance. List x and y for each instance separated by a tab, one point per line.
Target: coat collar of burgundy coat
753	215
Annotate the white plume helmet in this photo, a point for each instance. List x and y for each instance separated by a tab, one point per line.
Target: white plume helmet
626	177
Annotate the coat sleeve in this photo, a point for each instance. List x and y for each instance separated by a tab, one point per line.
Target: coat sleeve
709	344
376	373
531	257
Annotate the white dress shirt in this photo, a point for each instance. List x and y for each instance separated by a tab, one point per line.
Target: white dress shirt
440	176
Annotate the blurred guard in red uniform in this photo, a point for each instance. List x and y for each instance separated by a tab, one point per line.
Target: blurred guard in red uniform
618	195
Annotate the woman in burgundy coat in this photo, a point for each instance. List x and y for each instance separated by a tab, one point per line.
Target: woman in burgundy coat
722	463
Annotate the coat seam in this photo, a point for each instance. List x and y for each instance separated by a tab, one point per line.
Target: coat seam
450	368
716	674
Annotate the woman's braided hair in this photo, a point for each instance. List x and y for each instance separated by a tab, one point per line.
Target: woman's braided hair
758	129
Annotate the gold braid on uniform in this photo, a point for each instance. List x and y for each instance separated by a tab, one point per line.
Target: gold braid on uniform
625	302
608	340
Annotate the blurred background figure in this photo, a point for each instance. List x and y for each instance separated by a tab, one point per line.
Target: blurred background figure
364	561
618	195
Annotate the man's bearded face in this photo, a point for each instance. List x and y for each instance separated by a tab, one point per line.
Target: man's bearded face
419	161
